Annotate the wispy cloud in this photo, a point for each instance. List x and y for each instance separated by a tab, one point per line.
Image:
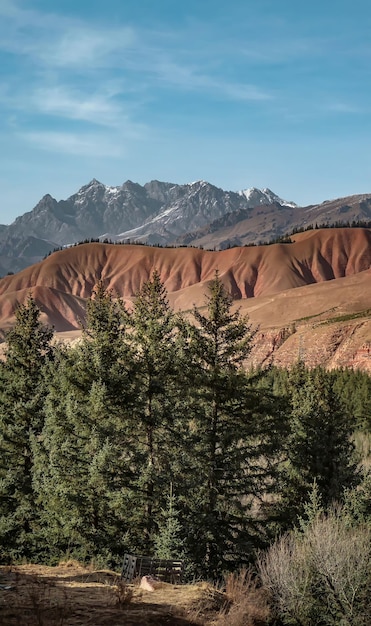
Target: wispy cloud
87	48
96	108
64	75
79	144
189	78
69	45
343	107
241	91
65	104
58	41
285	49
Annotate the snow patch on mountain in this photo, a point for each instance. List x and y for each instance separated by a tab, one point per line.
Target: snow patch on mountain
255	196
112	190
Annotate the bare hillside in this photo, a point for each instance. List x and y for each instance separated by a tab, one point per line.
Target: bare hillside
319	280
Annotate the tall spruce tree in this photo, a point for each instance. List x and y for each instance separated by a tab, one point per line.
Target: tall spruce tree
87	438
22	393
157	428
353	387
235	436
319	446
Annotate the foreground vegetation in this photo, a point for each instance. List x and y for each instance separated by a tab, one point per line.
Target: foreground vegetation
149	436
78	595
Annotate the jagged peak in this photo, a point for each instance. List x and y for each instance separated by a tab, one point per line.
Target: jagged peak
250	192
202	184
93	184
264	195
199	183
130	183
155	181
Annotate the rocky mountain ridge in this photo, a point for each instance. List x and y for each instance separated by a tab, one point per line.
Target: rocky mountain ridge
197	214
99	210
267	222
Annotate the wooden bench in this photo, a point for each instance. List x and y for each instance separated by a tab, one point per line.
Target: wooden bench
166	570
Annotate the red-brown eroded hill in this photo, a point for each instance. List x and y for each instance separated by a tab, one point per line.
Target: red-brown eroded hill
62	282
327	317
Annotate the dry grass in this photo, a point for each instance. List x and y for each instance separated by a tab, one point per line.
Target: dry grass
247	602
73	595
207	603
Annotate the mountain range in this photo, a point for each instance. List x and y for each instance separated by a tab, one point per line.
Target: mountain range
158	213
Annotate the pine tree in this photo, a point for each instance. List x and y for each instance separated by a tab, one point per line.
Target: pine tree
353	389
87	438
169	541
234	428
104	353
319	447
155	346
22	391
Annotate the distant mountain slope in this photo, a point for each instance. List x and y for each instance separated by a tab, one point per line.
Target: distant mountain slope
93	210
20	252
311	297
264	223
315	256
155	213
196	205
197	214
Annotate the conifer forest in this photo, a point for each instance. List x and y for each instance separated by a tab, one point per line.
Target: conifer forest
150	436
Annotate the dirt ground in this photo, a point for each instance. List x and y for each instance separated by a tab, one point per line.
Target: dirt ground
71	595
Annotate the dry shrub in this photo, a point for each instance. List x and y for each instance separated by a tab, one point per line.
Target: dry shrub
211	600
286	573
322	575
43	604
123	593
247	602
209	603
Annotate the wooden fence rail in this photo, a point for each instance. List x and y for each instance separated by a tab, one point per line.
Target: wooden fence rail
163	569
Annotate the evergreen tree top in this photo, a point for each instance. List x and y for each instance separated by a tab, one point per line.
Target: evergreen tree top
29	339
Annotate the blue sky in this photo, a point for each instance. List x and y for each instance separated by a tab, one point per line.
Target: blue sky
264	93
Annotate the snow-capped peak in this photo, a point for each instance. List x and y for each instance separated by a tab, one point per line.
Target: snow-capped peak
94	183
199	183
263	196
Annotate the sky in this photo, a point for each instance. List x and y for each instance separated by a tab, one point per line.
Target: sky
240	93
